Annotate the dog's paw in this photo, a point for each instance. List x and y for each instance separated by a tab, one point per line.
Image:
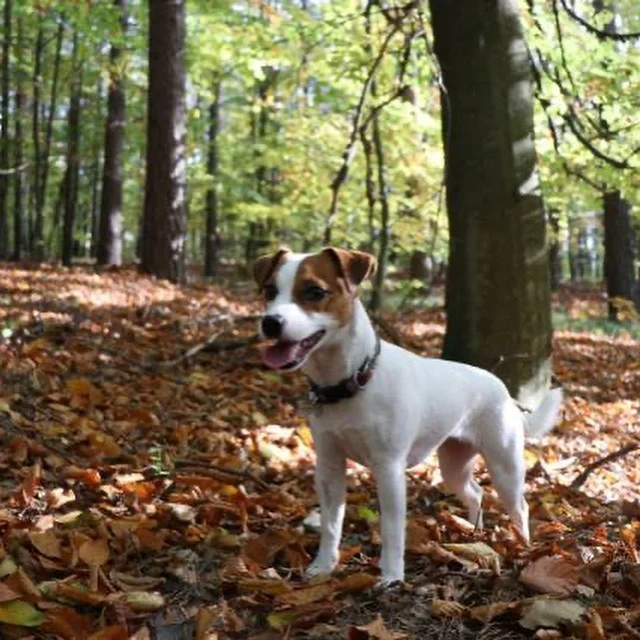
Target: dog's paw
319	567
386	583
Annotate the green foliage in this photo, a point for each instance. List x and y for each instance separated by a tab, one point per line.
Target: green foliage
291	75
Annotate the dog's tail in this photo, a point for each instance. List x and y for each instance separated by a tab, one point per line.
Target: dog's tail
544	418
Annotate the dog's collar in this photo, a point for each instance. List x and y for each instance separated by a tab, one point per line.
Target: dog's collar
348	387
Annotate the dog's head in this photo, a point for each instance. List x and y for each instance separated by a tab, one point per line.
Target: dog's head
309	298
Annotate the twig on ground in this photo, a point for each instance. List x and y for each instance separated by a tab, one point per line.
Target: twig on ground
615	455
215	471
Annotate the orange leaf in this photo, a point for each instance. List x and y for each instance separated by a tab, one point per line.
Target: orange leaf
66	623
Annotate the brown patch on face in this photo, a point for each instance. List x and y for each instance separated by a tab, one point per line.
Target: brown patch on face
264	267
335	272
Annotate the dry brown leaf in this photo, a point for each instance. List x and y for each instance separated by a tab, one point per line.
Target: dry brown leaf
551	574
7	594
375	630
448	609
113	632
312	593
94	552
47	543
488	612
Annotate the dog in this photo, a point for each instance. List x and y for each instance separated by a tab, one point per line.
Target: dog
386	407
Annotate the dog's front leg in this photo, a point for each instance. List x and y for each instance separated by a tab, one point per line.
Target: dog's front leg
390	480
331	489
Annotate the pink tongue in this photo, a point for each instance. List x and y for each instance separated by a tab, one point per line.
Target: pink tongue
280	354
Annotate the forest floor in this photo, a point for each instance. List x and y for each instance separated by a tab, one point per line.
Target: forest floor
146	492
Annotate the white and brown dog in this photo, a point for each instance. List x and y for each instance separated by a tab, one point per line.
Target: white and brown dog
386	407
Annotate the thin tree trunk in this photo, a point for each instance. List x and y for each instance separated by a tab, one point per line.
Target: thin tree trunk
110	238
164	221
53	103
36	226
4	133
385	230
96	176
618	253
212	240
498	294
73	165
19	179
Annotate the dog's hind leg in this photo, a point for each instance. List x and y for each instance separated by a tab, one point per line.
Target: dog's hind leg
504	455
457	461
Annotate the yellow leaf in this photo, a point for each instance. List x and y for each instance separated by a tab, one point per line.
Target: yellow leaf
20	613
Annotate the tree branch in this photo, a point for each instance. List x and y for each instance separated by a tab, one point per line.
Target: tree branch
600	33
349	152
615	455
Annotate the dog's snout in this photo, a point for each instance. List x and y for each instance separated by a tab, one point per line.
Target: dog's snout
272	326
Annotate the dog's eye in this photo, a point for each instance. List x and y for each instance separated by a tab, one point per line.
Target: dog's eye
315	293
270	292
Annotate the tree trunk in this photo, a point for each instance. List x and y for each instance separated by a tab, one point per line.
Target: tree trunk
555	253
19	184
618	253
385	230
4	133
73	164
96	176
164	221
110	238
212	240
36	226
498	297
53	105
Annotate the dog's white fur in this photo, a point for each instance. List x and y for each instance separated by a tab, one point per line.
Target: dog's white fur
411	407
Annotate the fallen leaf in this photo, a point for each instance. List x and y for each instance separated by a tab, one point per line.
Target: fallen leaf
20	613
300	617
545	612
144	601
94	552
7	594
113	632
375	630
551	574
479	552
447	608
47	543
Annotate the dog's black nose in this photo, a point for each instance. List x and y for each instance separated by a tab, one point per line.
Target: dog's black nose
272	326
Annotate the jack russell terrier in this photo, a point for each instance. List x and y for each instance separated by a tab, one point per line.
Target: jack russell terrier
385	407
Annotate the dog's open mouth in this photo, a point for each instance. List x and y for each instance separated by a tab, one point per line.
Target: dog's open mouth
287	355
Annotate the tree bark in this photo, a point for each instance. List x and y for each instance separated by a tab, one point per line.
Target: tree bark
212	241
73	161
618	253
36	226
498	294
555	253
4	133
19	184
96	175
109	250
164	221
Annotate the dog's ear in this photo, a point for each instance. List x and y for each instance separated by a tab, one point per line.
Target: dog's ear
264	266
355	266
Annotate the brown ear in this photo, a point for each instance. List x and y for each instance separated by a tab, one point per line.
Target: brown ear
355	266
263	267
